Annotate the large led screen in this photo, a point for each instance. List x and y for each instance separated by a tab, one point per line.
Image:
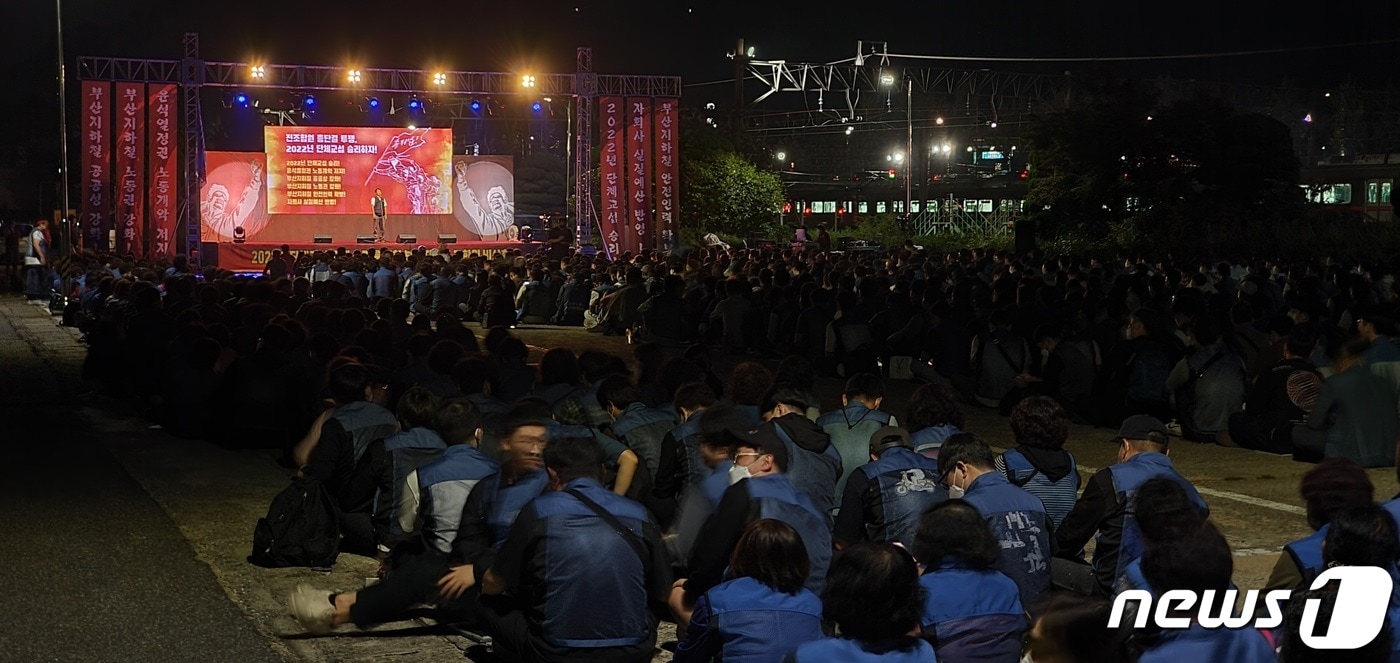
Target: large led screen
336	170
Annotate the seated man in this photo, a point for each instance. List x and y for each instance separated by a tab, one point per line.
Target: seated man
344	437
885	497
1106	506
812	464
393	463
760	490
850	427
1017	518
562	604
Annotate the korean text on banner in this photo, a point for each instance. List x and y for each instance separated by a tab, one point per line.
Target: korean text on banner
613	173
130	167
666	169
160	176
97	162
638	234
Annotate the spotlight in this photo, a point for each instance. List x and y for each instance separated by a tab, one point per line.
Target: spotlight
353	75
536	106
938	120
310	101
257	71
374	102
476	105
527	81
414	104
849	130
241	99
412	127
440	79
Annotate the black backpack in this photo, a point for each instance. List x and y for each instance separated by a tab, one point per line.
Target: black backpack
301	528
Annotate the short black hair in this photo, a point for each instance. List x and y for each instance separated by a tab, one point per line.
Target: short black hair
1301	340
471	375
694	396
617	391
1361	536
955	529
785	393
865	385
525	412
574	458
417	407
1164	510
771	552
347	382
934	405
967	448
1292	649
873	593
458	420
1041	422
559	366
1198	560
1334	484
749	382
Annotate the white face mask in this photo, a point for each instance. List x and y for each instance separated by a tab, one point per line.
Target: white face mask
738	473
956	493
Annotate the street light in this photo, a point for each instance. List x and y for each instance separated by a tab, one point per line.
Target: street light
782	156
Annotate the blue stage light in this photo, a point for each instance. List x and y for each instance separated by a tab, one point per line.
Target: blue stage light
537	106
241	99
310	100
414	104
476	106
374	102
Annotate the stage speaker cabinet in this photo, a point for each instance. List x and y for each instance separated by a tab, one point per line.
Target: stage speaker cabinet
447	239
320	239
407	239
364	239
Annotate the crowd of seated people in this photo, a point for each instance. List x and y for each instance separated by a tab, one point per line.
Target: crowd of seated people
496	489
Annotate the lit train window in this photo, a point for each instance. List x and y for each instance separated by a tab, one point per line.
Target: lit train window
880	207
862	207
1329	194
1378	191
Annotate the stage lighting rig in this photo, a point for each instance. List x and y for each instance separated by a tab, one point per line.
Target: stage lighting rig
257	72
353	76
439	79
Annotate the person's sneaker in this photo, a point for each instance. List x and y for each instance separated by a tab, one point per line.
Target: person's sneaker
1174	428
312	608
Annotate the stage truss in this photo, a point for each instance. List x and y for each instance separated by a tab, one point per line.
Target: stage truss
191	73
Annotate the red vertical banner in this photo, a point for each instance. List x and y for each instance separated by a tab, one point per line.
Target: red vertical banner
160	173
97	162
613	173
638	236
667	169
130	170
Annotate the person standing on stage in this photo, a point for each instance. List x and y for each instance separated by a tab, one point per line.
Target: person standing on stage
379	207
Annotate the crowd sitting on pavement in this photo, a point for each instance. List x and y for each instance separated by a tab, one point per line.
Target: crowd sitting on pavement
564	508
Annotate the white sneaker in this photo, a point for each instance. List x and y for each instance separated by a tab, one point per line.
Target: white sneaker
1174	428
312	608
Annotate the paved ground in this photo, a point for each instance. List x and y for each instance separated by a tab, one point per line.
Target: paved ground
125	543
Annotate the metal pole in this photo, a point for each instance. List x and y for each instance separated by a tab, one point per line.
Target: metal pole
568	157
64	228
909	145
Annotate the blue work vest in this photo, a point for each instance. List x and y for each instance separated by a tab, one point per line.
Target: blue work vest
687	437
444	486
759	624
928	441
906	485
777	498
1197	643
815	474
1128	477
642	429
843	650
596	585
405	452
1307	554
1022	529
503	503
713	487
972	615
366	422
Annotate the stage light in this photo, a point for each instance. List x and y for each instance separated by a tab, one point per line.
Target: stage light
887	79
353	75
938	120
310	101
527	81
241	99
849	130
440	79
414	104
476	105
537	106
374	102
412	127
257	71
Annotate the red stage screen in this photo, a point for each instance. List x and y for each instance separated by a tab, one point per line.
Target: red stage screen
335	170
232	196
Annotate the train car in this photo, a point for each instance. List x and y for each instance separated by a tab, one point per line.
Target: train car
1359	187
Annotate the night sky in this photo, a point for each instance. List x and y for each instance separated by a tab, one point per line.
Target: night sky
691	39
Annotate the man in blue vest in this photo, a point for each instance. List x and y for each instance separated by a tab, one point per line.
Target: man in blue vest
1106	506
1016	517
392	464
385	281
812	464
580	566
712	442
885	497
437	491
1330	487
759	489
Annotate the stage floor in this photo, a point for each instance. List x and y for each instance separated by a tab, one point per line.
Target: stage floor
252	257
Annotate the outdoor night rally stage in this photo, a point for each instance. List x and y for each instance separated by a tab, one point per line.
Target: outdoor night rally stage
319	182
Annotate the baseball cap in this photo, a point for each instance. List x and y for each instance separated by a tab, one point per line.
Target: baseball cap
1143	427
889	437
766	441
